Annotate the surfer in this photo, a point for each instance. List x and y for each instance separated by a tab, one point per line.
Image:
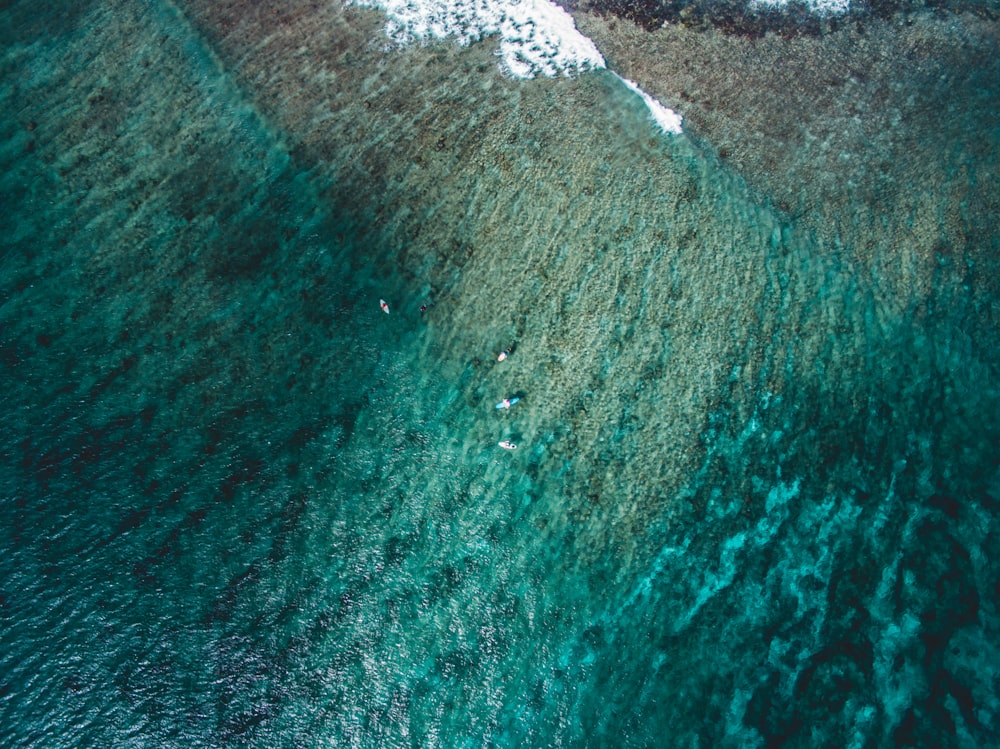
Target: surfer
507	445
384	305
507	403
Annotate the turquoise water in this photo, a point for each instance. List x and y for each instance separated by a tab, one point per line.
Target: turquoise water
754	500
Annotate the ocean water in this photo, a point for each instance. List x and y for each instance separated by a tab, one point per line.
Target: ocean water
755	496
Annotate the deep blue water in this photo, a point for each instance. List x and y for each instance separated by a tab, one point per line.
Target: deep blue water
755	495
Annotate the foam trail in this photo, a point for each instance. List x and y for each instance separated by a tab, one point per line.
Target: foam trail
666	118
822	7
536	37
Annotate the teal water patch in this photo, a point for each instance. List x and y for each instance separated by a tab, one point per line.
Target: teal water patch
156	346
248	508
239	509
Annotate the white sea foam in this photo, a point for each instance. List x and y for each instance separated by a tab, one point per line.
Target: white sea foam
667	119
823	7
537	37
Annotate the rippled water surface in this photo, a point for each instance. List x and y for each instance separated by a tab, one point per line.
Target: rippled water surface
754	498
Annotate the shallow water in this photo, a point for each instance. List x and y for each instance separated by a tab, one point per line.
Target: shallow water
753	502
